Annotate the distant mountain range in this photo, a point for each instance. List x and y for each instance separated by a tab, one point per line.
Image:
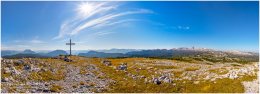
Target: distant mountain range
167	53
153	53
101	54
30	53
56	53
117	50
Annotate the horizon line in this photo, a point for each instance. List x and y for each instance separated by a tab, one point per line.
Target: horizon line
196	48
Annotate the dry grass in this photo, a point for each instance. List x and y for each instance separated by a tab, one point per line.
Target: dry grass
83	70
47	76
55	88
130	85
125	84
166	67
220	71
81	83
177	73
191	69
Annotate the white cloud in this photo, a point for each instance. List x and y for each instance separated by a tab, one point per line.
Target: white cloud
114	23
36	41
17	41
181	27
103	33
15	47
23	46
96	15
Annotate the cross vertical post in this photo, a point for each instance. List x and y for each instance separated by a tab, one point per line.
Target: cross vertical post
70	43
70	47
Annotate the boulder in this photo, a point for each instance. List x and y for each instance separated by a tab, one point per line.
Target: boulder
156	81
67	60
145	80
142	76
14	71
44	69
5	79
106	62
123	66
19	62
161	78
27	67
167	80
36	69
91	67
7	70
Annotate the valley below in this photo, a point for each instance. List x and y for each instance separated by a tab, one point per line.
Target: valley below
144	75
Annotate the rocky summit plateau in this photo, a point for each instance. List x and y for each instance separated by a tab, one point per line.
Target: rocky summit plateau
78	74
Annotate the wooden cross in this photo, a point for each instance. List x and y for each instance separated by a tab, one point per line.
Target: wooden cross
70	45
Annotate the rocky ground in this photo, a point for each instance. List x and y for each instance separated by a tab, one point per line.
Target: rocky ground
125	75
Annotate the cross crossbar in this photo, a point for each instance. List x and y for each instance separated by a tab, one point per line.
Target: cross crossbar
70	43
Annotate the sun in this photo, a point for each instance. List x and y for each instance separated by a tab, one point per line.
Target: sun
85	8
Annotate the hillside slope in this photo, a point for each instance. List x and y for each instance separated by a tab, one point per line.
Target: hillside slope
143	75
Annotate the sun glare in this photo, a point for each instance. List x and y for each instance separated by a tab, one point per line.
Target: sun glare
85	8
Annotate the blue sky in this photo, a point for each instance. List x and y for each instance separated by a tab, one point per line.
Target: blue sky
134	25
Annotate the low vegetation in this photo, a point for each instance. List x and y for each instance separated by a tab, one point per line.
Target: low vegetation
191	69
56	88
47	76
187	76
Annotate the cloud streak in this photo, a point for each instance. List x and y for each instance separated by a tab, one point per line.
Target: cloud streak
96	15
35	40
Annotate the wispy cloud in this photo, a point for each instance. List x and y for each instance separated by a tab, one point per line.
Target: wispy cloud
114	23
23	46
15	47
181	27
96	15
103	33
34	40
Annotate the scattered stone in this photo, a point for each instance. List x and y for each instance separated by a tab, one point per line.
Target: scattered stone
36	69
44	69
5	79
156	81
7	70
145	80
233	75
14	71
91	67
123	66
33	91
67	60
18	62
27	67
167	80
251	86
106	62
142	76
161	78
148	68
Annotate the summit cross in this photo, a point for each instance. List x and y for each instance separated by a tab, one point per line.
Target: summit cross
70	43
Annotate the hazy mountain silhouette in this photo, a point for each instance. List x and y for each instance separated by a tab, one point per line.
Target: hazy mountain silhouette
28	51
56	53
101	54
8	52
